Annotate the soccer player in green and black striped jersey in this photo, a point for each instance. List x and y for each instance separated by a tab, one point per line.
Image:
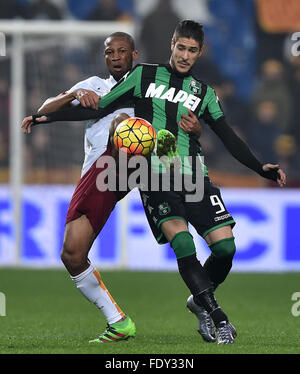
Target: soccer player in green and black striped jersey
163	95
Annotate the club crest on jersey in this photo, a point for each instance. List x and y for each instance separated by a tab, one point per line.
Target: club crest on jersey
189	101
164	209
195	87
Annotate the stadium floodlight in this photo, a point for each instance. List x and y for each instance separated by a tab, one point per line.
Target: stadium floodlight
21	31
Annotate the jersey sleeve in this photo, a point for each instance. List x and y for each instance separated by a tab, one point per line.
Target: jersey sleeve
82	84
213	111
87	84
123	93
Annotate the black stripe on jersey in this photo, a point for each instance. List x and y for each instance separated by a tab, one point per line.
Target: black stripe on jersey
171	108
195	146
206	116
201	96
194	149
124	101
144	108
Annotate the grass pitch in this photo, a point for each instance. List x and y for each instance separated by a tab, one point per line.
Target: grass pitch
46	314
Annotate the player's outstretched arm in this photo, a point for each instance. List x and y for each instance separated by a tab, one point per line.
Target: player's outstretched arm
77	113
240	150
120	94
87	98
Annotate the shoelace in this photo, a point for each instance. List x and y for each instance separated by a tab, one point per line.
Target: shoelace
108	329
208	322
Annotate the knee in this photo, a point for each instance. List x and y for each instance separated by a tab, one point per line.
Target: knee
72	256
183	244
224	248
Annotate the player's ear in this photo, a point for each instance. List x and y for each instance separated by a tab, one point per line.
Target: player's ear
135	54
172	44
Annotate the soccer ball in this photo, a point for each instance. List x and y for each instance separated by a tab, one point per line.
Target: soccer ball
135	136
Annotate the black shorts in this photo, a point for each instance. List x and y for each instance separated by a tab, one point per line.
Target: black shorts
206	215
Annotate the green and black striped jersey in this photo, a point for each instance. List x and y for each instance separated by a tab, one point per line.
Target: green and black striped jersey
161	96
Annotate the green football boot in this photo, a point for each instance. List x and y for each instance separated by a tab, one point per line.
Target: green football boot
167	148
116	332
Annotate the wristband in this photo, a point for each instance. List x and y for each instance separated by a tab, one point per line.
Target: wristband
271	174
35	116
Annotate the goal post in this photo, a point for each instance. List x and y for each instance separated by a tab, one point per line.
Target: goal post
83	28
30	37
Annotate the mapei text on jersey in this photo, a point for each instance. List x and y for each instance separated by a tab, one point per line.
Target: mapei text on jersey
190	101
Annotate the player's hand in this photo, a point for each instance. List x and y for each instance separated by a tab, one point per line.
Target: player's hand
87	98
190	123
28	123
281	179
113	125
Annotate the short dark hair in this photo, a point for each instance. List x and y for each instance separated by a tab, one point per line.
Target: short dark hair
120	34
191	30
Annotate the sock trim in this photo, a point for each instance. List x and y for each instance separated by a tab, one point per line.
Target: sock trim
183	244
85	273
179	233
102	285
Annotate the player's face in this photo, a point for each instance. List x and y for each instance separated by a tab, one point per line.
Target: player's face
119	56
185	52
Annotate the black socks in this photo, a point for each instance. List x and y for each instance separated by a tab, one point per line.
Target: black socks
217	268
207	300
193	274
197	280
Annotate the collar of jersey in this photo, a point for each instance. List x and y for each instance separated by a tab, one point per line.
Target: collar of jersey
177	73
112	80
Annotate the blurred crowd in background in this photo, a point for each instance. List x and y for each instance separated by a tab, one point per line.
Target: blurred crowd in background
253	71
